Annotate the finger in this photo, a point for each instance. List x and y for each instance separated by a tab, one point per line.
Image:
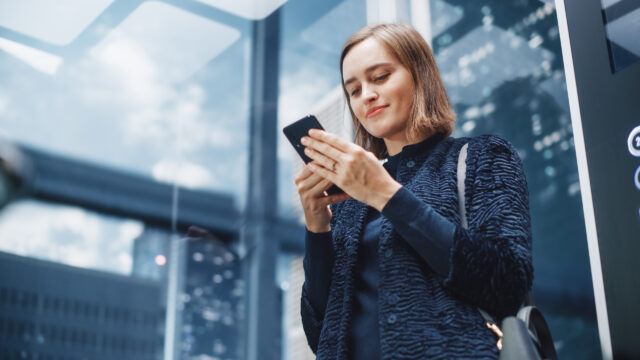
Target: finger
321	186
311	181
318	169
322	147
303	174
336	198
331	139
320	158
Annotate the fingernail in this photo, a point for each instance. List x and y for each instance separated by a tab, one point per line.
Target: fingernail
304	140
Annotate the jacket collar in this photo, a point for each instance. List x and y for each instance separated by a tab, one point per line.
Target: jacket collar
421	149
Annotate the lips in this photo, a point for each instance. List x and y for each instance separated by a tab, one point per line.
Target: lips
375	110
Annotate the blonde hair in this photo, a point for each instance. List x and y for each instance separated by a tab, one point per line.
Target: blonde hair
431	111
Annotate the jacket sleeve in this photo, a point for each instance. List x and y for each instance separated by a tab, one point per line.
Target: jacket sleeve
318	266
427	232
491	265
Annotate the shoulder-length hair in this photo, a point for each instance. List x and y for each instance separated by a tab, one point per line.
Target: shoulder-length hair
431	111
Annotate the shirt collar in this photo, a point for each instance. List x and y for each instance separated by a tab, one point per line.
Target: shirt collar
421	148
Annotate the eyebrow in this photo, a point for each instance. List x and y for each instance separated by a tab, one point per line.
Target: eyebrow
367	70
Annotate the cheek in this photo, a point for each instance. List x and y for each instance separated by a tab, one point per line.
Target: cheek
358	109
407	102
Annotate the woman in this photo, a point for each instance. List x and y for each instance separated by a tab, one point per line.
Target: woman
390	271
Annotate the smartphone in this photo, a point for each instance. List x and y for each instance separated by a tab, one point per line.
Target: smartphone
296	131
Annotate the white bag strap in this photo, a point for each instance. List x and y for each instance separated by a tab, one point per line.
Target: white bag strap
462	173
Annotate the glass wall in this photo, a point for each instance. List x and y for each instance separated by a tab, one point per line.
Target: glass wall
502	65
136	116
151	92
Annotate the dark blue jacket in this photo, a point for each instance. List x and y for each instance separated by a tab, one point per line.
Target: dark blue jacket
423	315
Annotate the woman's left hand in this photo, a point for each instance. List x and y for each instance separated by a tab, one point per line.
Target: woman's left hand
356	171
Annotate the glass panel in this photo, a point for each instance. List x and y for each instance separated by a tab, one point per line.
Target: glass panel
58	22
69	235
249	9
297	347
622	22
104	303
143	44
310	78
159	93
212	302
502	65
312	37
146	95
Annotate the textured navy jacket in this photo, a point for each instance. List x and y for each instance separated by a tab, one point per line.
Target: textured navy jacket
423	315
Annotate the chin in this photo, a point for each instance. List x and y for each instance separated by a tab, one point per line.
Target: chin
376	128
383	132
375	133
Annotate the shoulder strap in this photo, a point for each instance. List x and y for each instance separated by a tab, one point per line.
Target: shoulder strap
462	173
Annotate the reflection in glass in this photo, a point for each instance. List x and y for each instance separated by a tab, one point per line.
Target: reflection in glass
69	235
502	65
622	21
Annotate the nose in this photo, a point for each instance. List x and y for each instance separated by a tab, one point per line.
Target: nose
369	93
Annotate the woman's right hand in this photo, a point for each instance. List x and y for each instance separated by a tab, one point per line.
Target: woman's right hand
315	203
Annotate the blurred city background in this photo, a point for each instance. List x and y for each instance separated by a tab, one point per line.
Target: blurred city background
125	122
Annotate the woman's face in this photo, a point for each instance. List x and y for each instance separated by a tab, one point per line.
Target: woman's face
380	89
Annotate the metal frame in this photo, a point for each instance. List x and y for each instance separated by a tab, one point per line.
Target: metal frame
585	184
263	300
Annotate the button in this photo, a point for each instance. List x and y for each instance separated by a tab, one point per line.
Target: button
393	299
391	319
636	178
388	253
411	163
634	141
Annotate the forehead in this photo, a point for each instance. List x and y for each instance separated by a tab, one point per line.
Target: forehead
367	53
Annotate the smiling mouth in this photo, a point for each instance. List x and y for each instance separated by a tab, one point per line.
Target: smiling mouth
375	111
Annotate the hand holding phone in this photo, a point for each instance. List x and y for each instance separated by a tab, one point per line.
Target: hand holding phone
299	129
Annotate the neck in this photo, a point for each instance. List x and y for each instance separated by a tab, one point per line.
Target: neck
394	146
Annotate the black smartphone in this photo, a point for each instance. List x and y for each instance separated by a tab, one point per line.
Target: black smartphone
296	131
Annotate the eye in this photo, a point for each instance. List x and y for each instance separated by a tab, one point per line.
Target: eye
355	91
381	77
